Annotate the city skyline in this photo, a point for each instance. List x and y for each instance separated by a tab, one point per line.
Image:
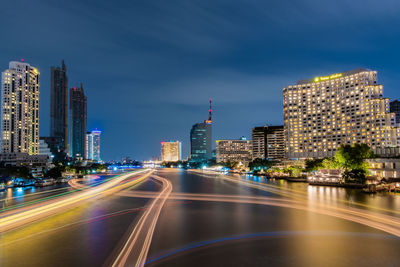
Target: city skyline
310	80
243	71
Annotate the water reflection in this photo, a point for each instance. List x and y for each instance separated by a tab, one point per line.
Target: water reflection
335	196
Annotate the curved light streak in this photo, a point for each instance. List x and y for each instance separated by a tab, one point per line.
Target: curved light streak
136	247
77	223
382	222
6	211
27	216
286	192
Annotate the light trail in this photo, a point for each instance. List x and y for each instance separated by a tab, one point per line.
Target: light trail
33	194
382	222
67	202
77	223
6	211
135	249
10	210
46	191
286	192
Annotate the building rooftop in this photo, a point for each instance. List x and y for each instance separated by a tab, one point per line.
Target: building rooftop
332	76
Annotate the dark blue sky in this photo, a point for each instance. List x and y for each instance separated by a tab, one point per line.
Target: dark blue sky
149	67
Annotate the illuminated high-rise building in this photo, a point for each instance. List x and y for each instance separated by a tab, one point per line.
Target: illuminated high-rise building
77	124
268	142
93	145
59	105
238	150
201	139
20	89
171	151
344	108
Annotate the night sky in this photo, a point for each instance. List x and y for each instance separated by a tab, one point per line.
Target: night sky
149	67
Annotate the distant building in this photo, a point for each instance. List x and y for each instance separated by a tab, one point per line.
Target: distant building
59	105
44	150
23	159
268	142
77	125
201	139
234	150
127	160
200	142
322	113
19	110
395	108
171	151
93	145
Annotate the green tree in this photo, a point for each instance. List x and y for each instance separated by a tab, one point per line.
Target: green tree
353	157
313	164
261	164
294	171
330	164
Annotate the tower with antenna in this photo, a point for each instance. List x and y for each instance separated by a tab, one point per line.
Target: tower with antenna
209	121
201	139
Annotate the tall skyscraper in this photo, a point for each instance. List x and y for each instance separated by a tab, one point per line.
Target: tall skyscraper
20	89
201	139
344	108
77	124
395	108
59	105
93	145
234	150
268	142
171	151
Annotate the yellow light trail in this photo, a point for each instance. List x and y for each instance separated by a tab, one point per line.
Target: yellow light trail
28	205
135	249
26	216
382	222
286	192
38	193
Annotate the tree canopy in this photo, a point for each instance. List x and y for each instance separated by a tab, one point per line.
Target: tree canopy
261	164
352	157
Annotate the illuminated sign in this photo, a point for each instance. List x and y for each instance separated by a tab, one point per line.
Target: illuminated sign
326	78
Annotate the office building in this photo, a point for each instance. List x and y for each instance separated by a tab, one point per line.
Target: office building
201	139
59	105
19	114
268	142
395	108
234	150
171	151
77	122
344	108
93	145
